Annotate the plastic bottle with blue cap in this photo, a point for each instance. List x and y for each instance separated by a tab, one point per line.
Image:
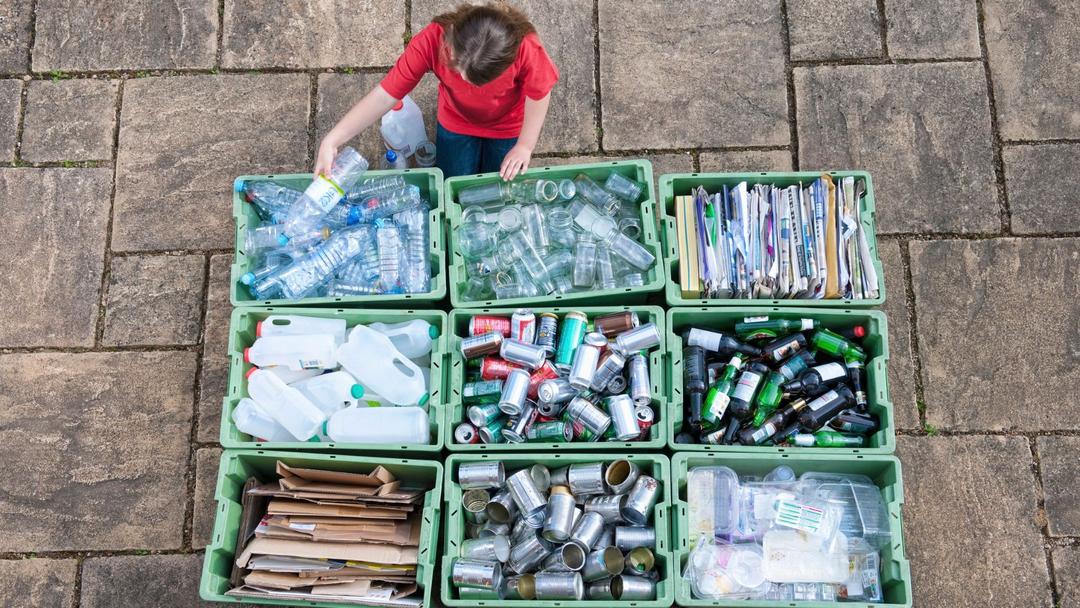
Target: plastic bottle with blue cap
325	191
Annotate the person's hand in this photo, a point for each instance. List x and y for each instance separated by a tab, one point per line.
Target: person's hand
324	157
515	162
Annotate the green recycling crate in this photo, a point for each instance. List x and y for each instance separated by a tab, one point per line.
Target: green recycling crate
638	170
237	465
681	184
455	410
242	330
883	469
876	345
430	182
654	465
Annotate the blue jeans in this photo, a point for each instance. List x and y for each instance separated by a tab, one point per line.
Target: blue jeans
458	154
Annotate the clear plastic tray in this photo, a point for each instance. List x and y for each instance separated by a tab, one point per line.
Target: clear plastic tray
712	501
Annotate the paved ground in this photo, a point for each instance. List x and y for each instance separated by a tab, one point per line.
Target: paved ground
121	131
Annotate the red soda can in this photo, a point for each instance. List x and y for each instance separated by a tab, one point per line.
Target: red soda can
466	433
544	372
482	324
645	418
523	326
540	419
494	368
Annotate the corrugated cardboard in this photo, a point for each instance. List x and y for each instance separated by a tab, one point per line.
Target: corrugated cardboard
376	478
290	507
360	552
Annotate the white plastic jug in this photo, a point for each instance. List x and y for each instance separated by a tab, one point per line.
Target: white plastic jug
379	425
296	325
412	338
290	376
315	351
250	419
331	392
403	127
375	363
288	406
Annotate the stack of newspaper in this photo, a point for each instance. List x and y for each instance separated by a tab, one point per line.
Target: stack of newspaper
806	241
329	536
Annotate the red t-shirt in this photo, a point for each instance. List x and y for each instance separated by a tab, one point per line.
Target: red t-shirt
493	110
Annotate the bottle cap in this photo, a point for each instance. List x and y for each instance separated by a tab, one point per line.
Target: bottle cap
282	240
391	156
859	331
433	332
247	279
247	355
249	372
238	185
400	104
357	391
423	400
258	329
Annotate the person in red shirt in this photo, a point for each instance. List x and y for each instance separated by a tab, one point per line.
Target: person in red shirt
495	81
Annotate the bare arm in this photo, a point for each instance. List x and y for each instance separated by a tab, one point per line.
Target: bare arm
364	114
517	159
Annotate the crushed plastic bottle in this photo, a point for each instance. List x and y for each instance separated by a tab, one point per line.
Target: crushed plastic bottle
306	274
272	201
391	243
389	203
416	275
325	191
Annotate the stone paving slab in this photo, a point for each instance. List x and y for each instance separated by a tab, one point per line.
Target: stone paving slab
142	581
69	120
997	338
182	142
901	365
970	522
566	30
933	29
55	248
1066	562
743	161
923	132
214	374
206	473
314	34
94	450
1041	186
834	29
154	300
15	18
146	34
1033	46
37	582
656	81
10	90
338	93
1060	468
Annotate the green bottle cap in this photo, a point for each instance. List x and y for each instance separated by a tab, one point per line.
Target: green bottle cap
357	391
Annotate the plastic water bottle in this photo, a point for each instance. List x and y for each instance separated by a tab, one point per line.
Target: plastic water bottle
286	405
403	127
389	203
313	269
379	425
378	365
289	376
272	236
390	240
272	201
250	419
273	262
344	214
374	186
416	276
295	352
393	160
299	325
325	192
331	392
412	338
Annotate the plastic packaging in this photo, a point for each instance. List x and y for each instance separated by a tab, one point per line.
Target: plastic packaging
325	192
285	404
307	351
412	339
393	160
376	364
402	127
298	325
251	419
718	570
425	154
712	500
331	392
793	557
379	425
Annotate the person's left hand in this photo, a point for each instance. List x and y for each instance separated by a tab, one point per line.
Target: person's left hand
515	162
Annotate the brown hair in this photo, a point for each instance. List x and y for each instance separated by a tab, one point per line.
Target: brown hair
483	40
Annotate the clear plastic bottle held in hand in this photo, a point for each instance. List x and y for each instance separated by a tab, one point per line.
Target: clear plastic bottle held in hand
325	192
286	405
376	363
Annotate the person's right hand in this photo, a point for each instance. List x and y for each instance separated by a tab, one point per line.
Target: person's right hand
324	157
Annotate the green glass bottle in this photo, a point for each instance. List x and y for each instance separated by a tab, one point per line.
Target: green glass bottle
719	395
836	345
771	328
768	398
828	439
